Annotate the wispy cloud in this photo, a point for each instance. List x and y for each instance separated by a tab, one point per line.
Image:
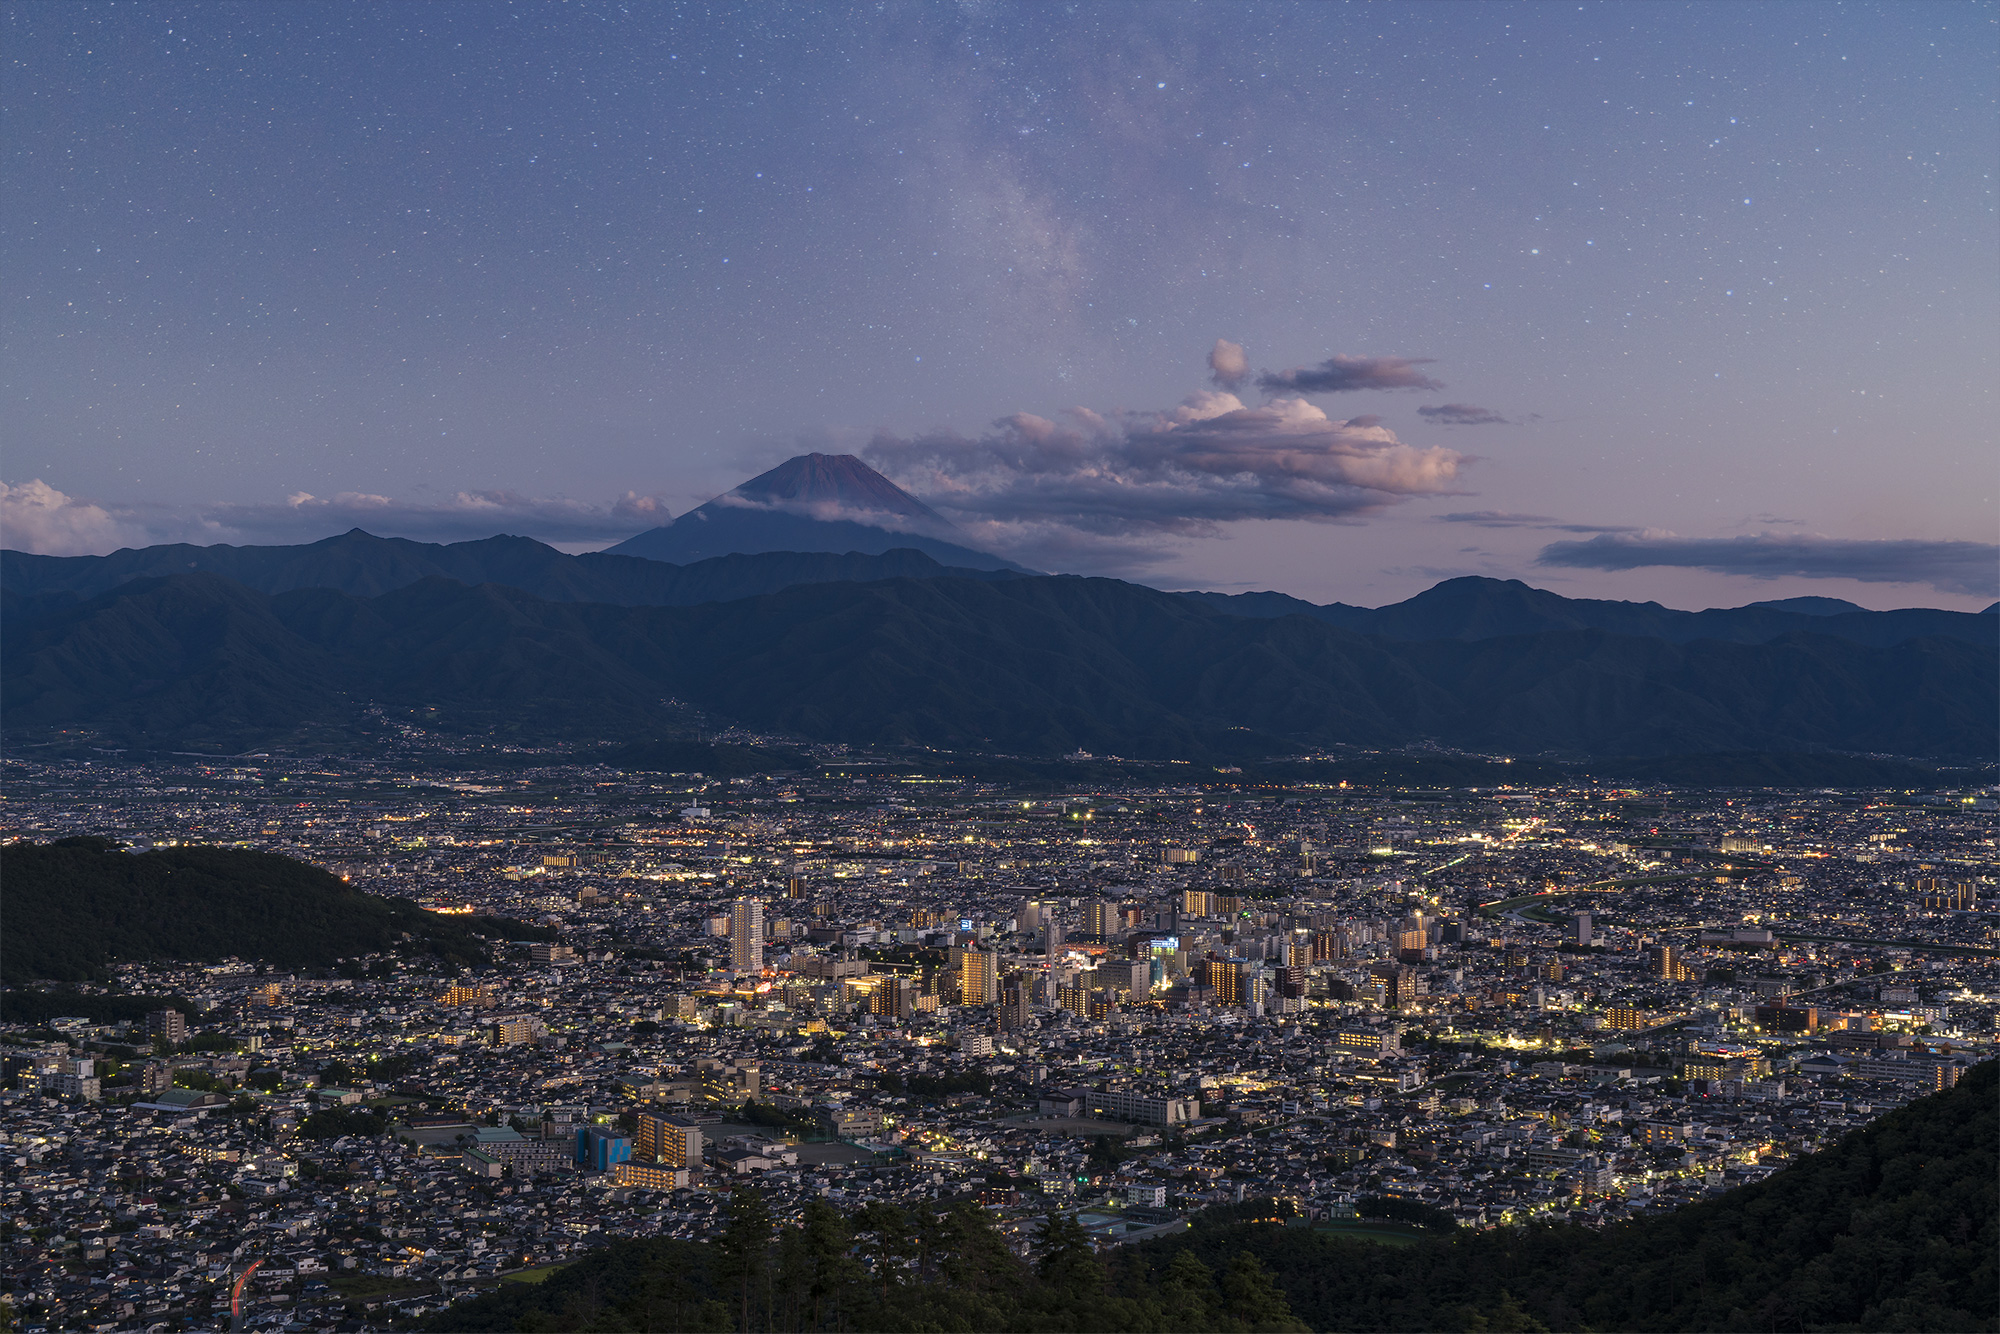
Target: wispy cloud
1971	568
1502	519
1465	414
1344	374
1145	476
37	517
1498	519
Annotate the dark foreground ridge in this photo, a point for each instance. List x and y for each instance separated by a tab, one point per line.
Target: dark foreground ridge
73	907
1035	667
1895	1228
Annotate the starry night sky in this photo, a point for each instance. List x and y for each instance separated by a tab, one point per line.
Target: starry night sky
1693	303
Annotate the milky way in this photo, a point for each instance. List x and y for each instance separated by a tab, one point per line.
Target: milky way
1707	274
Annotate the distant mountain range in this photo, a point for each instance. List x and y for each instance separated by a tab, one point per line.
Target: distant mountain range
1470	608
821	600
1032	666
815	502
1473	608
365	565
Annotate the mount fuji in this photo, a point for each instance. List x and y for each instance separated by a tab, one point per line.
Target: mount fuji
814	502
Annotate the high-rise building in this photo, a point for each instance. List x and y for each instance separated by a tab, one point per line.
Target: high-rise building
893	998
1235	980
1016	1000
978	976
1579	928
1101	919
1399	982
670	1141
1134	977
1663	961
746	935
168	1024
1075	999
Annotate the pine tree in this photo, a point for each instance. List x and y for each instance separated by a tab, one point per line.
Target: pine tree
1189	1294
1253	1300
743	1249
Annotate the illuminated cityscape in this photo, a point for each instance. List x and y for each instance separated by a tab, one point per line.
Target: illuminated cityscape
1583	1003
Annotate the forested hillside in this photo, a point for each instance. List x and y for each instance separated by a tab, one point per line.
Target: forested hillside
73	907
1895	1228
1026	666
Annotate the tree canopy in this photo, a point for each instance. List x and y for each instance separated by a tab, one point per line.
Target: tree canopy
1895	1228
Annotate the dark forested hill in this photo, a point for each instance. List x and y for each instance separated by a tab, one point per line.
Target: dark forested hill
1895	1228
1034	666
366	566
1475	608
73	907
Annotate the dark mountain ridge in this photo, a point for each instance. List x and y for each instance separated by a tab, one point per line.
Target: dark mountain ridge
1812	606
1477	608
1034	666
362	564
359	563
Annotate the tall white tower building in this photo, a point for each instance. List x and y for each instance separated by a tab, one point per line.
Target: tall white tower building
746	935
